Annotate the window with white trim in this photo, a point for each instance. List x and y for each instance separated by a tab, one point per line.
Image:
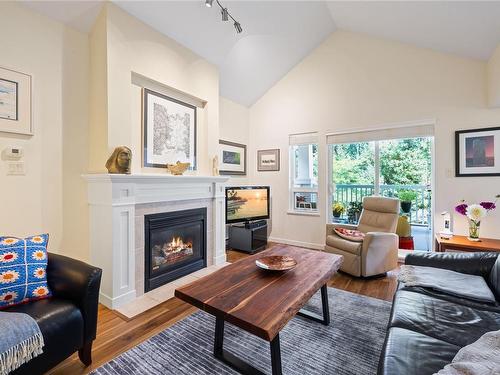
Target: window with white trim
304	173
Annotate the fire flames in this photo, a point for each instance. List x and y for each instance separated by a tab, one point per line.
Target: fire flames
177	244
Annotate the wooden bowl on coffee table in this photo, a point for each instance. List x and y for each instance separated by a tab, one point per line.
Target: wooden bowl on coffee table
276	263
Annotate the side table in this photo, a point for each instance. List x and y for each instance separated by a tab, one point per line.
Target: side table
461	243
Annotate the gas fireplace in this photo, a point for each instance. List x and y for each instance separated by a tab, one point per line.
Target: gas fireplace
175	245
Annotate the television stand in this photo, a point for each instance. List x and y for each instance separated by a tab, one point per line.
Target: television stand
249	237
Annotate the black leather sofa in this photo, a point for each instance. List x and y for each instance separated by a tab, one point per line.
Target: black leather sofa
427	328
68	319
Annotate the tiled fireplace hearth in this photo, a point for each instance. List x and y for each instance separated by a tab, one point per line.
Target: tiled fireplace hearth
137	234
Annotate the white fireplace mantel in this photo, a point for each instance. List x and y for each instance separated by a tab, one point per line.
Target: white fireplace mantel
112	201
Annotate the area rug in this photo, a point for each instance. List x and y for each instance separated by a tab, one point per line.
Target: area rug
350	345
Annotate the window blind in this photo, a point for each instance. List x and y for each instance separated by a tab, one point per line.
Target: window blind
303	138
414	131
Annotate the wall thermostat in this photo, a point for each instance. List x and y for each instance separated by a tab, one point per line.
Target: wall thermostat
13	153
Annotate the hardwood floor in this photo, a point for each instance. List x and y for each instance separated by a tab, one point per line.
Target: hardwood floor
116	335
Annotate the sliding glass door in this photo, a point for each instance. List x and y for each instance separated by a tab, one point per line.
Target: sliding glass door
392	168
353	177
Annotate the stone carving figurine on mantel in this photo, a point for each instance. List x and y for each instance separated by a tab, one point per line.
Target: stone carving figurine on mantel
215	165
120	160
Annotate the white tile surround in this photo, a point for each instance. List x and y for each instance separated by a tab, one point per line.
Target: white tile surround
117	205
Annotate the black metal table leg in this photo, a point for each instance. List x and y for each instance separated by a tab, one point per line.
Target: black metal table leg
276	355
325	319
219	337
229	358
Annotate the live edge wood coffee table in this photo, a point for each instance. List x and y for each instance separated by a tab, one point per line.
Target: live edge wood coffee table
262	302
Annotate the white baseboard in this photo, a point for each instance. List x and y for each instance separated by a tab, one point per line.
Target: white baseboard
113	303
309	245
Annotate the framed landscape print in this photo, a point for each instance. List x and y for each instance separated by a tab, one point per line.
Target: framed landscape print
169	131
268	160
232	158
477	152
15	102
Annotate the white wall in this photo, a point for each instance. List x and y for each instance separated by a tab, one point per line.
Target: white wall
356	81
57	57
122	45
494	79
234	121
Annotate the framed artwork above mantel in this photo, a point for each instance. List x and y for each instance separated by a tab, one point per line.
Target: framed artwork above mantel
477	152
169	131
15	102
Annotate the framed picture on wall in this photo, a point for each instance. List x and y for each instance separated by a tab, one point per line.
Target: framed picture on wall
232	158
477	152
268	160
169	131
15	102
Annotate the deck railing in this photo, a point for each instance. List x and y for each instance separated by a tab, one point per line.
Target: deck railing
420	208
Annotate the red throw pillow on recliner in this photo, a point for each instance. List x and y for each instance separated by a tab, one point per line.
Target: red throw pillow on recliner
350	234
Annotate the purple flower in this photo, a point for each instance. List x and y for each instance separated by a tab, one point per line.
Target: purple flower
488	205
461	209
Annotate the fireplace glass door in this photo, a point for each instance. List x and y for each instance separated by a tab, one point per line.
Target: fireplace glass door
175	245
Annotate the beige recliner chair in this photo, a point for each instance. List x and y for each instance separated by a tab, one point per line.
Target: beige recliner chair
378	253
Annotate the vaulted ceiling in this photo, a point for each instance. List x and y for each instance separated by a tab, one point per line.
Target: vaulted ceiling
279	34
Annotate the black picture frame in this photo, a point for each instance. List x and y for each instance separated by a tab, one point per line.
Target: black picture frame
458	152
229	172
145	123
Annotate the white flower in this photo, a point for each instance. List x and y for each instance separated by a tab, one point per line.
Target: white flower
476	212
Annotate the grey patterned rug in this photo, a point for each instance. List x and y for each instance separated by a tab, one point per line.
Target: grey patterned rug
350	345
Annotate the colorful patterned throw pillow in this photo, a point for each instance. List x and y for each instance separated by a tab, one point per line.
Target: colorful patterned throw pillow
23	265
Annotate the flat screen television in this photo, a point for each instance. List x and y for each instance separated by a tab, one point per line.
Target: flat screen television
247	203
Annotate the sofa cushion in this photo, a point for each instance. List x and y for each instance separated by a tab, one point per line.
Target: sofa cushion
494	280
454	299
61	323
444	320
413	353
462	285
23	269
339	243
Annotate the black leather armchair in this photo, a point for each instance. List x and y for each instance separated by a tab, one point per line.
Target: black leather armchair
68	320
427	328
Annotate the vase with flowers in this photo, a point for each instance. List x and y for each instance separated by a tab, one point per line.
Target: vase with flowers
475	213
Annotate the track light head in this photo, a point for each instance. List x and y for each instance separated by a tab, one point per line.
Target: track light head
225	15
237	26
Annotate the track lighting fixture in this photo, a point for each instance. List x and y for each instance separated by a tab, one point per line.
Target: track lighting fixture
225	14
237	26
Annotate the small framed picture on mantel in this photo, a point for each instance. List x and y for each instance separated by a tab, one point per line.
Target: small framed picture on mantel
268	160
477	152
